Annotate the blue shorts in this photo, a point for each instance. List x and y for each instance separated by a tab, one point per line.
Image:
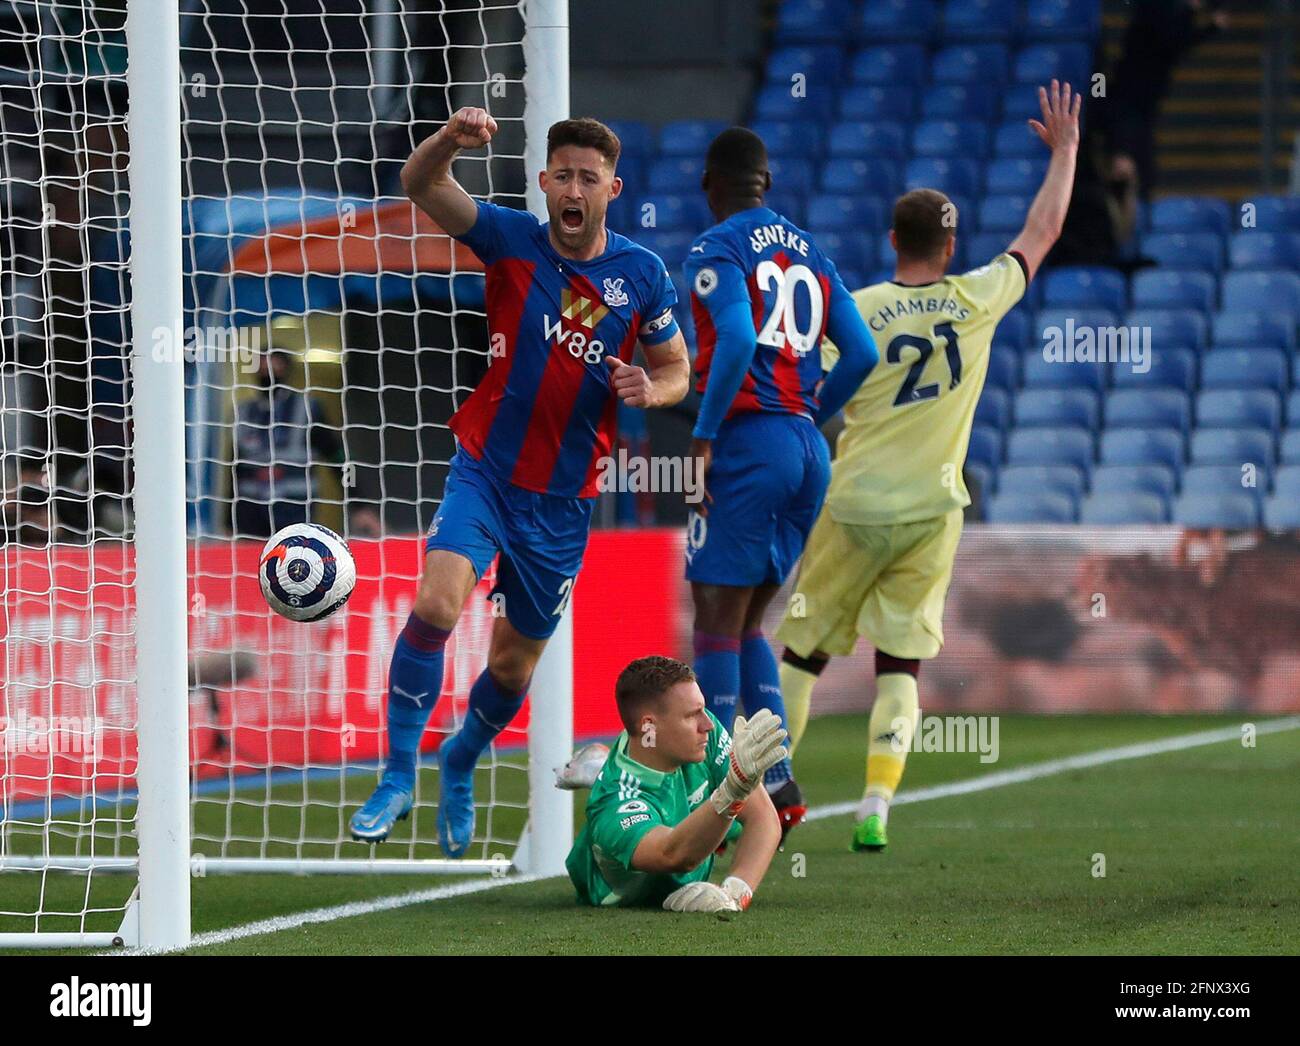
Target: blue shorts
767	482
541	539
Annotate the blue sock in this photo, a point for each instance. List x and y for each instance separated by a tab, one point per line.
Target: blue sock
717	667
491	708
760	687
414	684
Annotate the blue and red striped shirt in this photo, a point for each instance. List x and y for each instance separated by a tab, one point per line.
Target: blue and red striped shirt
545	413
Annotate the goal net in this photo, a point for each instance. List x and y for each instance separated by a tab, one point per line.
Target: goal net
328	331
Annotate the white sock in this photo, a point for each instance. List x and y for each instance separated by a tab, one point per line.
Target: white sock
874	804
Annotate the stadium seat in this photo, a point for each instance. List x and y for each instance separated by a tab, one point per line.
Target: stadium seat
1039	407
959	176
1282	513
789	174
898	21
969	63
813	21
959	102
635	137
1171	328
1286	482
993	408
1085	286
984	246
985	446
850	249
1030	479
1062	19
669	212
1039	64
1038	507
1190	214
1004	369
949	138
1244	369
1041	373
836	213
671	174
1235	408
1185	250
785	138
968	20
1013	139
670	245
1134	479
1232	446
689	137
1288	447
1020	103
1236	511
1129	408
1224	479
877	102
1015	175
1014	328
1161	289
1236	328
1293	408
777	102
860	175
1276	212
1170	368
1271	290
823	63
1003	214
900	64
1142	447
867	139
1131	508
790	205
1063	446
1060	319
1252	249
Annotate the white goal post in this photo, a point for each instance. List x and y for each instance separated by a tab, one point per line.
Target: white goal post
224	739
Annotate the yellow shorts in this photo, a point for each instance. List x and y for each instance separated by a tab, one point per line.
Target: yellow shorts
887	583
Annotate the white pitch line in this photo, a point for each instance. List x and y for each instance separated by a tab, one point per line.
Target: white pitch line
1000	779
1034	771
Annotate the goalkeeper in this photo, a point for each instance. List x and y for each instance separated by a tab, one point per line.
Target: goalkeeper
670	792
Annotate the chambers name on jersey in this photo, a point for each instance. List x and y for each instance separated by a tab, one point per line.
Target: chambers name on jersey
906	430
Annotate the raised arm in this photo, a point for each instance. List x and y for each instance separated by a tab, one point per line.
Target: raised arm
1059	131
426	176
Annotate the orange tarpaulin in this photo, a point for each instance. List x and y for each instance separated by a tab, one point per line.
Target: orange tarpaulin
393	237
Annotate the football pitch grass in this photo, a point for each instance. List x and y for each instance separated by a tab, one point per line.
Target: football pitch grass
1198	848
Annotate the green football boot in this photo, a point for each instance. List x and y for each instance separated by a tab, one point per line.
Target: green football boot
870	835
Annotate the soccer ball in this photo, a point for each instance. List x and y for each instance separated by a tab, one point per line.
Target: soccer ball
306	572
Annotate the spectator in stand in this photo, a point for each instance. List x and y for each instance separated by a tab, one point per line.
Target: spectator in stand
1099	226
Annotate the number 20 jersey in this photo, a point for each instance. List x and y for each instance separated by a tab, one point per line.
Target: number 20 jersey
759	255
907	428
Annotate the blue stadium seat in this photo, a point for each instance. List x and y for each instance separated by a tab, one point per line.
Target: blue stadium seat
1190	214
1224	479
1020	103
898	21
1062	19
1253	249
1003	214
689	137
1040	373
1015	175
1115	509
1134	479
1142	447
1148	409
1231	446
970	20
1039	407
777	102
1038	64
813	21
1170	369
789	174
846	174
960	176
672	174
949	138
850	249
959	102
1085	286
670	245
872	140
790	205
1004	369
635	137
1234	328
900	64
837	213
1286	482
1271	290
1054	479
1216	511
1013	139
1276	212
984	246
823	63
1171	328
1185	250
969	63
668	212
1063	446
1162	289
1288	446
993	408
1061	318
784	138
877	102
981	480
1282	513
985	446
1234	408
1014	328
1244	369
1040	507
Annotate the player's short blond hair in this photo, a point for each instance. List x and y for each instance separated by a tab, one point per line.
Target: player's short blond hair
924	221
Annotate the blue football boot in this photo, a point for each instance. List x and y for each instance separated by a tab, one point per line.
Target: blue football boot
391	802
455	804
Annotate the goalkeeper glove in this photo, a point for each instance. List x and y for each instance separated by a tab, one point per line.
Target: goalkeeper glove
738	890
700	897
755	747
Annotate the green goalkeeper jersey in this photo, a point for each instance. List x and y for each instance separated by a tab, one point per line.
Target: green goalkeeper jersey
628	800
